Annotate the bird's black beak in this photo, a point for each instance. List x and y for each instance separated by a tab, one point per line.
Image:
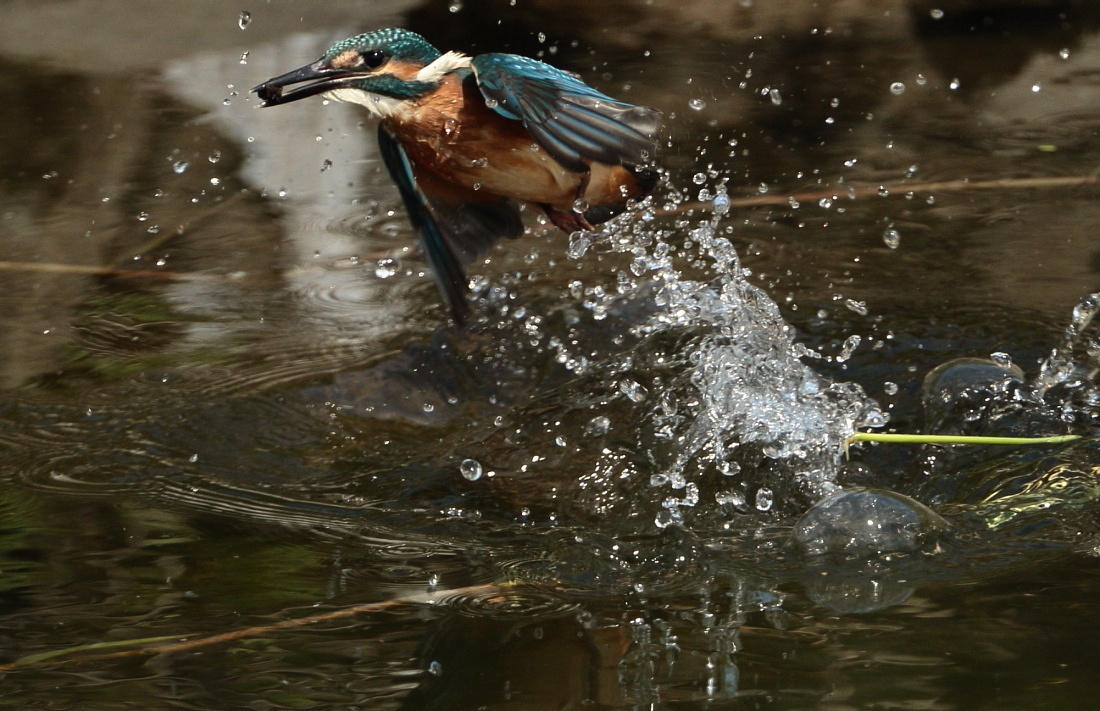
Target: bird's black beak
312	79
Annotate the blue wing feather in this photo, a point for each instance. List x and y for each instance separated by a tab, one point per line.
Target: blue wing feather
572	121
445	264
454	230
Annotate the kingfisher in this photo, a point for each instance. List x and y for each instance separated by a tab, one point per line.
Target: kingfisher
467	140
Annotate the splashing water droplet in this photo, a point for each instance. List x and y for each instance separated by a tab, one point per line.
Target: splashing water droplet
892	238
848	348
697	104
580	205
764	499
244	18
435	669
214	156
470	469
325	165
633	390
897	88
454	6
775	97
180	166
386	267
579	242
244	57
597	426
859	307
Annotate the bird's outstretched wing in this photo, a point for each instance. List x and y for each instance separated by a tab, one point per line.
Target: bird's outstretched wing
573	122
456	226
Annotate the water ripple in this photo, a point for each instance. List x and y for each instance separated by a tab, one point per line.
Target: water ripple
508	603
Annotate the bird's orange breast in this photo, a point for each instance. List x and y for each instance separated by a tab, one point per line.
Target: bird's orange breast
455	136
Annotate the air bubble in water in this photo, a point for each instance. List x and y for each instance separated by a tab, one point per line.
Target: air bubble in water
897	88
764	499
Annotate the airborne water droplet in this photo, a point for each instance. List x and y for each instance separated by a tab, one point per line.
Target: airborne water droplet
597	426
244	18
470	469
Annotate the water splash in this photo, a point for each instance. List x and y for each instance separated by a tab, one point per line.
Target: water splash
1075	361
759	415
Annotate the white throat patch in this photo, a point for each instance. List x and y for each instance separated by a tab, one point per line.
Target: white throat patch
445	64
379	106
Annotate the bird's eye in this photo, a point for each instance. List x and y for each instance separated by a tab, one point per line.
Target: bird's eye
374	59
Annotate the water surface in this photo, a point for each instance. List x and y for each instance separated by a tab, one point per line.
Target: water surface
230	396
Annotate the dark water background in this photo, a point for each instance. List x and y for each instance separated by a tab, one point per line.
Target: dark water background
229	397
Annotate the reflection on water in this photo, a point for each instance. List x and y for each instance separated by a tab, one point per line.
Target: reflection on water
230	397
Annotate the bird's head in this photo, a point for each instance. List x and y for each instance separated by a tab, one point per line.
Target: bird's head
379	70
